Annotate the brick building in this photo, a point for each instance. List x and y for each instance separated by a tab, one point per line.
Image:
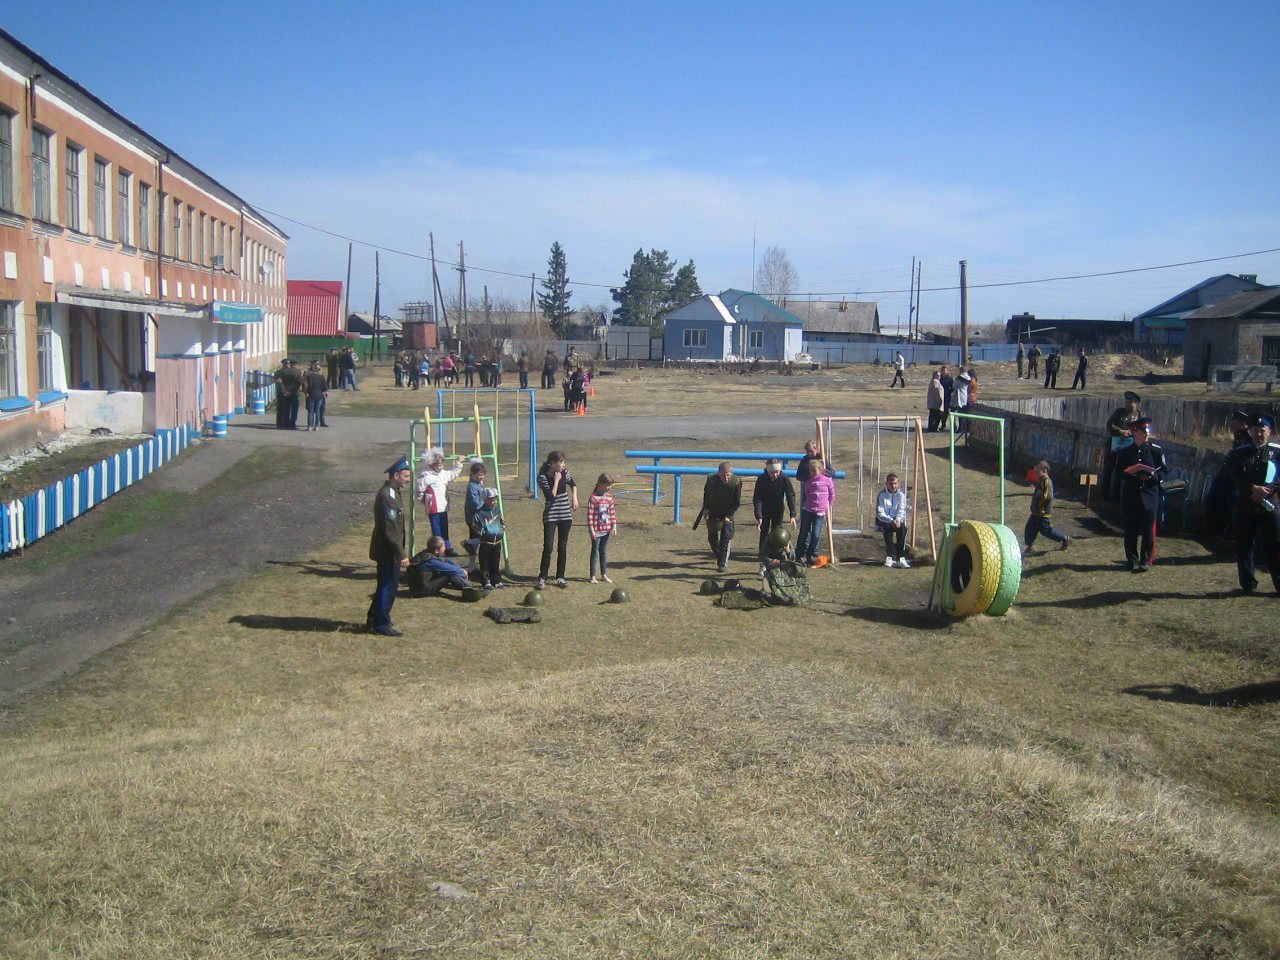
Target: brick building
135	290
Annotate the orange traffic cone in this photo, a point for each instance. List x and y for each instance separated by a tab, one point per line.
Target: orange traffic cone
582	409
591	391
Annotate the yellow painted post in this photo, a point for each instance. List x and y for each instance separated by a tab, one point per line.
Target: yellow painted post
475	413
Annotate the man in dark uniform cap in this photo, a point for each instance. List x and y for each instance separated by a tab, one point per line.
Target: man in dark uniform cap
386	546
1118	437
1142	470
1255	469
1219	499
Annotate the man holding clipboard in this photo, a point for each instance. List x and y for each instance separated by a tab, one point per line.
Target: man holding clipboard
1142	470
1118	437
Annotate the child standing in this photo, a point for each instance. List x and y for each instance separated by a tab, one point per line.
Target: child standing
489	528
1041	509
474	501
602	520
891	518
819	494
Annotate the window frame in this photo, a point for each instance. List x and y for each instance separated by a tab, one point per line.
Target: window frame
8	195
755	339
44	346
695	337
72	165
41	175
144	215
8	349
124	206
101	198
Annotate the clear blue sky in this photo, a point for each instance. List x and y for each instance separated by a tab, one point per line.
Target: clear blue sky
1033	139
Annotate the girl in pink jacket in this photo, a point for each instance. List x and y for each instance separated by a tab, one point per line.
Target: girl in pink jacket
819	494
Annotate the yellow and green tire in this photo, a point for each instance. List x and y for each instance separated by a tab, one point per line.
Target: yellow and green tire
1010	571
974	568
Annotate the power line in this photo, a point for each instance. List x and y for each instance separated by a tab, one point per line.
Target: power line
826	293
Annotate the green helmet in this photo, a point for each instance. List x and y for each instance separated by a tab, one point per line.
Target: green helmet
732	585
533	598
709	588
619	596
780	538
472	594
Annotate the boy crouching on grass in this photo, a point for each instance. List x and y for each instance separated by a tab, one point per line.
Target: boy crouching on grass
1041	509
438	571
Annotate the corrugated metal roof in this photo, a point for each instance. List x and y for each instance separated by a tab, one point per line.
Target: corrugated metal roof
315	308
1238	305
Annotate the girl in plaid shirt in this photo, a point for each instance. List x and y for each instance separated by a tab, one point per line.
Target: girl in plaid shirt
602	520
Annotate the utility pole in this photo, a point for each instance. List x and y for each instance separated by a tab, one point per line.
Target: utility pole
462	291
964	312
441	316
911	302
532	280
377	323
346	296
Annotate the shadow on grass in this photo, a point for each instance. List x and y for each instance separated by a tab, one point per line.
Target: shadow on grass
1244	695
1117	598
918	619
262	621
343	571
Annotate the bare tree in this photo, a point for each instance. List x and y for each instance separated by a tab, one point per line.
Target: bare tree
776	277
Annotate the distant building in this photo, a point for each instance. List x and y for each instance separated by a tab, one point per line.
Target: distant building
733	323
1167	322
135	290
1028	328
835	322
1240	330
315	308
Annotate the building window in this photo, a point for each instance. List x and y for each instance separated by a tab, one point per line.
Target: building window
755	340
44	345
8	351
41	201
176	252
144	216
1271	350
190	236
100	224
123	207
203	247
6	160
71	180
695	338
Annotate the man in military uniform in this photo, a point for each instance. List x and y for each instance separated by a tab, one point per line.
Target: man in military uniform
774	501
1142	471
1219	501
1118	437
549	367
721	497
386	546
1254	470
288	385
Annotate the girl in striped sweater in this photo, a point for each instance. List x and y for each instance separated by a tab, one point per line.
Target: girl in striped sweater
602	520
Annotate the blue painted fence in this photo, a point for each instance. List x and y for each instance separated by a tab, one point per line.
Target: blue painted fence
25	521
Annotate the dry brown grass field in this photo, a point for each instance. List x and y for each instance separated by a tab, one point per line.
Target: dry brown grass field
1095	774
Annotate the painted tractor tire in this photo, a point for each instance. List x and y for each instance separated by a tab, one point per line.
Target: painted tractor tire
975	568
1010	571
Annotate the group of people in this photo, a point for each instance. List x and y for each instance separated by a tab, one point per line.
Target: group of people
438	565
1030	359
417	368
340	368
291	386
946	393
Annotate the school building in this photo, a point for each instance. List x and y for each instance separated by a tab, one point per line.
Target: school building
135	289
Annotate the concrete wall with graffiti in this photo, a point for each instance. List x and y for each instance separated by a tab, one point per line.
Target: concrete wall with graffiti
1078	447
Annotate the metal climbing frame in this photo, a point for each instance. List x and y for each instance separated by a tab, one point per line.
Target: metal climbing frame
491	458
468	400
942	582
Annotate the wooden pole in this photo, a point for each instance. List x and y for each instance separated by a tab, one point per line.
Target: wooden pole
933	543
964	314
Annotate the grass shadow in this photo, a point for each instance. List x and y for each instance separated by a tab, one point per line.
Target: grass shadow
1245	695
262	621
921	619
343	571
1115	598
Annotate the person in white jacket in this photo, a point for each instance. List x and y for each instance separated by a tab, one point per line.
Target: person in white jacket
432	489
891	518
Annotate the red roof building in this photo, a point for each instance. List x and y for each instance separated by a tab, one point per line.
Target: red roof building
315	308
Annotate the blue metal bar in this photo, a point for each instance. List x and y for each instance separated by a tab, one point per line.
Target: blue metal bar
676	471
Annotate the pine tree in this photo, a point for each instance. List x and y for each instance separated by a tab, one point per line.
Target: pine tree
643	299
554	301
685	289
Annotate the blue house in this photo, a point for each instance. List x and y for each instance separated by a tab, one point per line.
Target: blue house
1167	322
733	324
